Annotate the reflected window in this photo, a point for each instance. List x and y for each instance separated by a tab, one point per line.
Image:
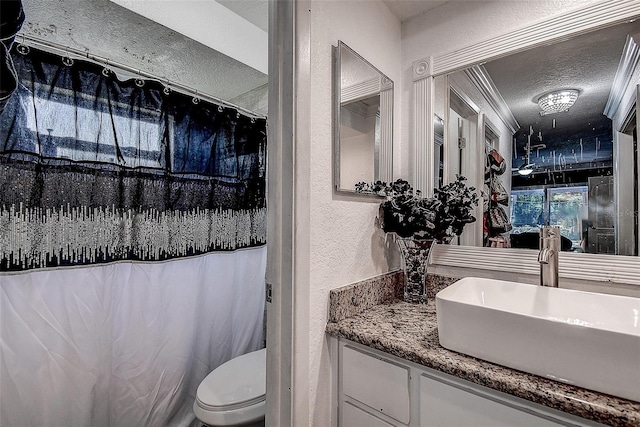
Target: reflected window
569	209
565	207
527	210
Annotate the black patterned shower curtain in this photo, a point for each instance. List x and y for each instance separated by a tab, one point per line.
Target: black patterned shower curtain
94	169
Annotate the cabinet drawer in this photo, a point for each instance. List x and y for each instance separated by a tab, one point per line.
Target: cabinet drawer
376	382
444	404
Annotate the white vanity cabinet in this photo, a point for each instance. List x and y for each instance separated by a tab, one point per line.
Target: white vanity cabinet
374	389
372	384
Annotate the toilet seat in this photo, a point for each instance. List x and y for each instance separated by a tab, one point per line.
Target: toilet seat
234	392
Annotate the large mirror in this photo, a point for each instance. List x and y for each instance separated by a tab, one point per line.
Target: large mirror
550	135
363	121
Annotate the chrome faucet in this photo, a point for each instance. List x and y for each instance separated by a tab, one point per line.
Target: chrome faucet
548	256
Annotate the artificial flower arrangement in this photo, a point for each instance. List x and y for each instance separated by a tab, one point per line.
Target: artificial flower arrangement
410	215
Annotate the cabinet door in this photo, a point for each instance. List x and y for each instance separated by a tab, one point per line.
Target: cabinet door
378	383
444	404
356	417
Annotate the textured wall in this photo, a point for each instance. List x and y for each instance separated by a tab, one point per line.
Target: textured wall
345	246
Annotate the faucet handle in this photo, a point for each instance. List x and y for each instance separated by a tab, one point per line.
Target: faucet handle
543	256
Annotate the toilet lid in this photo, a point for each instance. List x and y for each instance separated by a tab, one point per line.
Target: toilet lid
238	383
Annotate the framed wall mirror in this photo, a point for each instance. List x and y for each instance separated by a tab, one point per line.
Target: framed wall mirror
363	121
560	164
575	166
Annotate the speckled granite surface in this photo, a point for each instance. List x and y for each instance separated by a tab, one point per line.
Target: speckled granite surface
436	283
410	331
353	299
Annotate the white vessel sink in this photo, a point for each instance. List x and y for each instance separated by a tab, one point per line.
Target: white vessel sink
581	338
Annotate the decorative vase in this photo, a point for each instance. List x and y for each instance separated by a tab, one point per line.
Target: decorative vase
415	255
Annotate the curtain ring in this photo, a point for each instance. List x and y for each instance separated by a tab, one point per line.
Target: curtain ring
106	71
195	100
253	120
237	114
139	82
22	48
220	109
166	89
66	60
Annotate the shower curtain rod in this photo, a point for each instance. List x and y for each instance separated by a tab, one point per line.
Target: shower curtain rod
186	90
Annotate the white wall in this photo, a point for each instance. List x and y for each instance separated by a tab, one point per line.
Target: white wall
357	153
457	24
344	245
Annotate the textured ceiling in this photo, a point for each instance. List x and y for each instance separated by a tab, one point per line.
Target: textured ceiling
109	30
587	62
405	9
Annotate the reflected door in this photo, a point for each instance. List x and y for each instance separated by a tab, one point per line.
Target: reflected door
600	234
462	151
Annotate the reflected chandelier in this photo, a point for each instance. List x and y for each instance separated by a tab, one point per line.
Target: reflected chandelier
557	101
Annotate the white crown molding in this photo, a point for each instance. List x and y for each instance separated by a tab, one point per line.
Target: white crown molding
423	135
587	18
423	125
421	68
386	136
360	90
386	83
626	68
482	81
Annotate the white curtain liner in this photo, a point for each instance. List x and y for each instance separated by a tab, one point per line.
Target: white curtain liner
127	343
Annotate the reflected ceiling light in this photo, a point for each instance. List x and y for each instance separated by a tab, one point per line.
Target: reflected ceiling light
557	101
526	169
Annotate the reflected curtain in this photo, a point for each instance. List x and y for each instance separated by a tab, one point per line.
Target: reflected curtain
94	169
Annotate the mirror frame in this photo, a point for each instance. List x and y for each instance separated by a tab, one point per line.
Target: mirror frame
618	269
386	91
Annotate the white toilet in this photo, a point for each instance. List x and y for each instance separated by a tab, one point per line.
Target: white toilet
233	394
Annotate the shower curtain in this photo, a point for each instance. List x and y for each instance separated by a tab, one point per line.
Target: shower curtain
124	344
132	257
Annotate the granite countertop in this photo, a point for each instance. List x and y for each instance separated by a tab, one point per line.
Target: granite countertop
410	331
